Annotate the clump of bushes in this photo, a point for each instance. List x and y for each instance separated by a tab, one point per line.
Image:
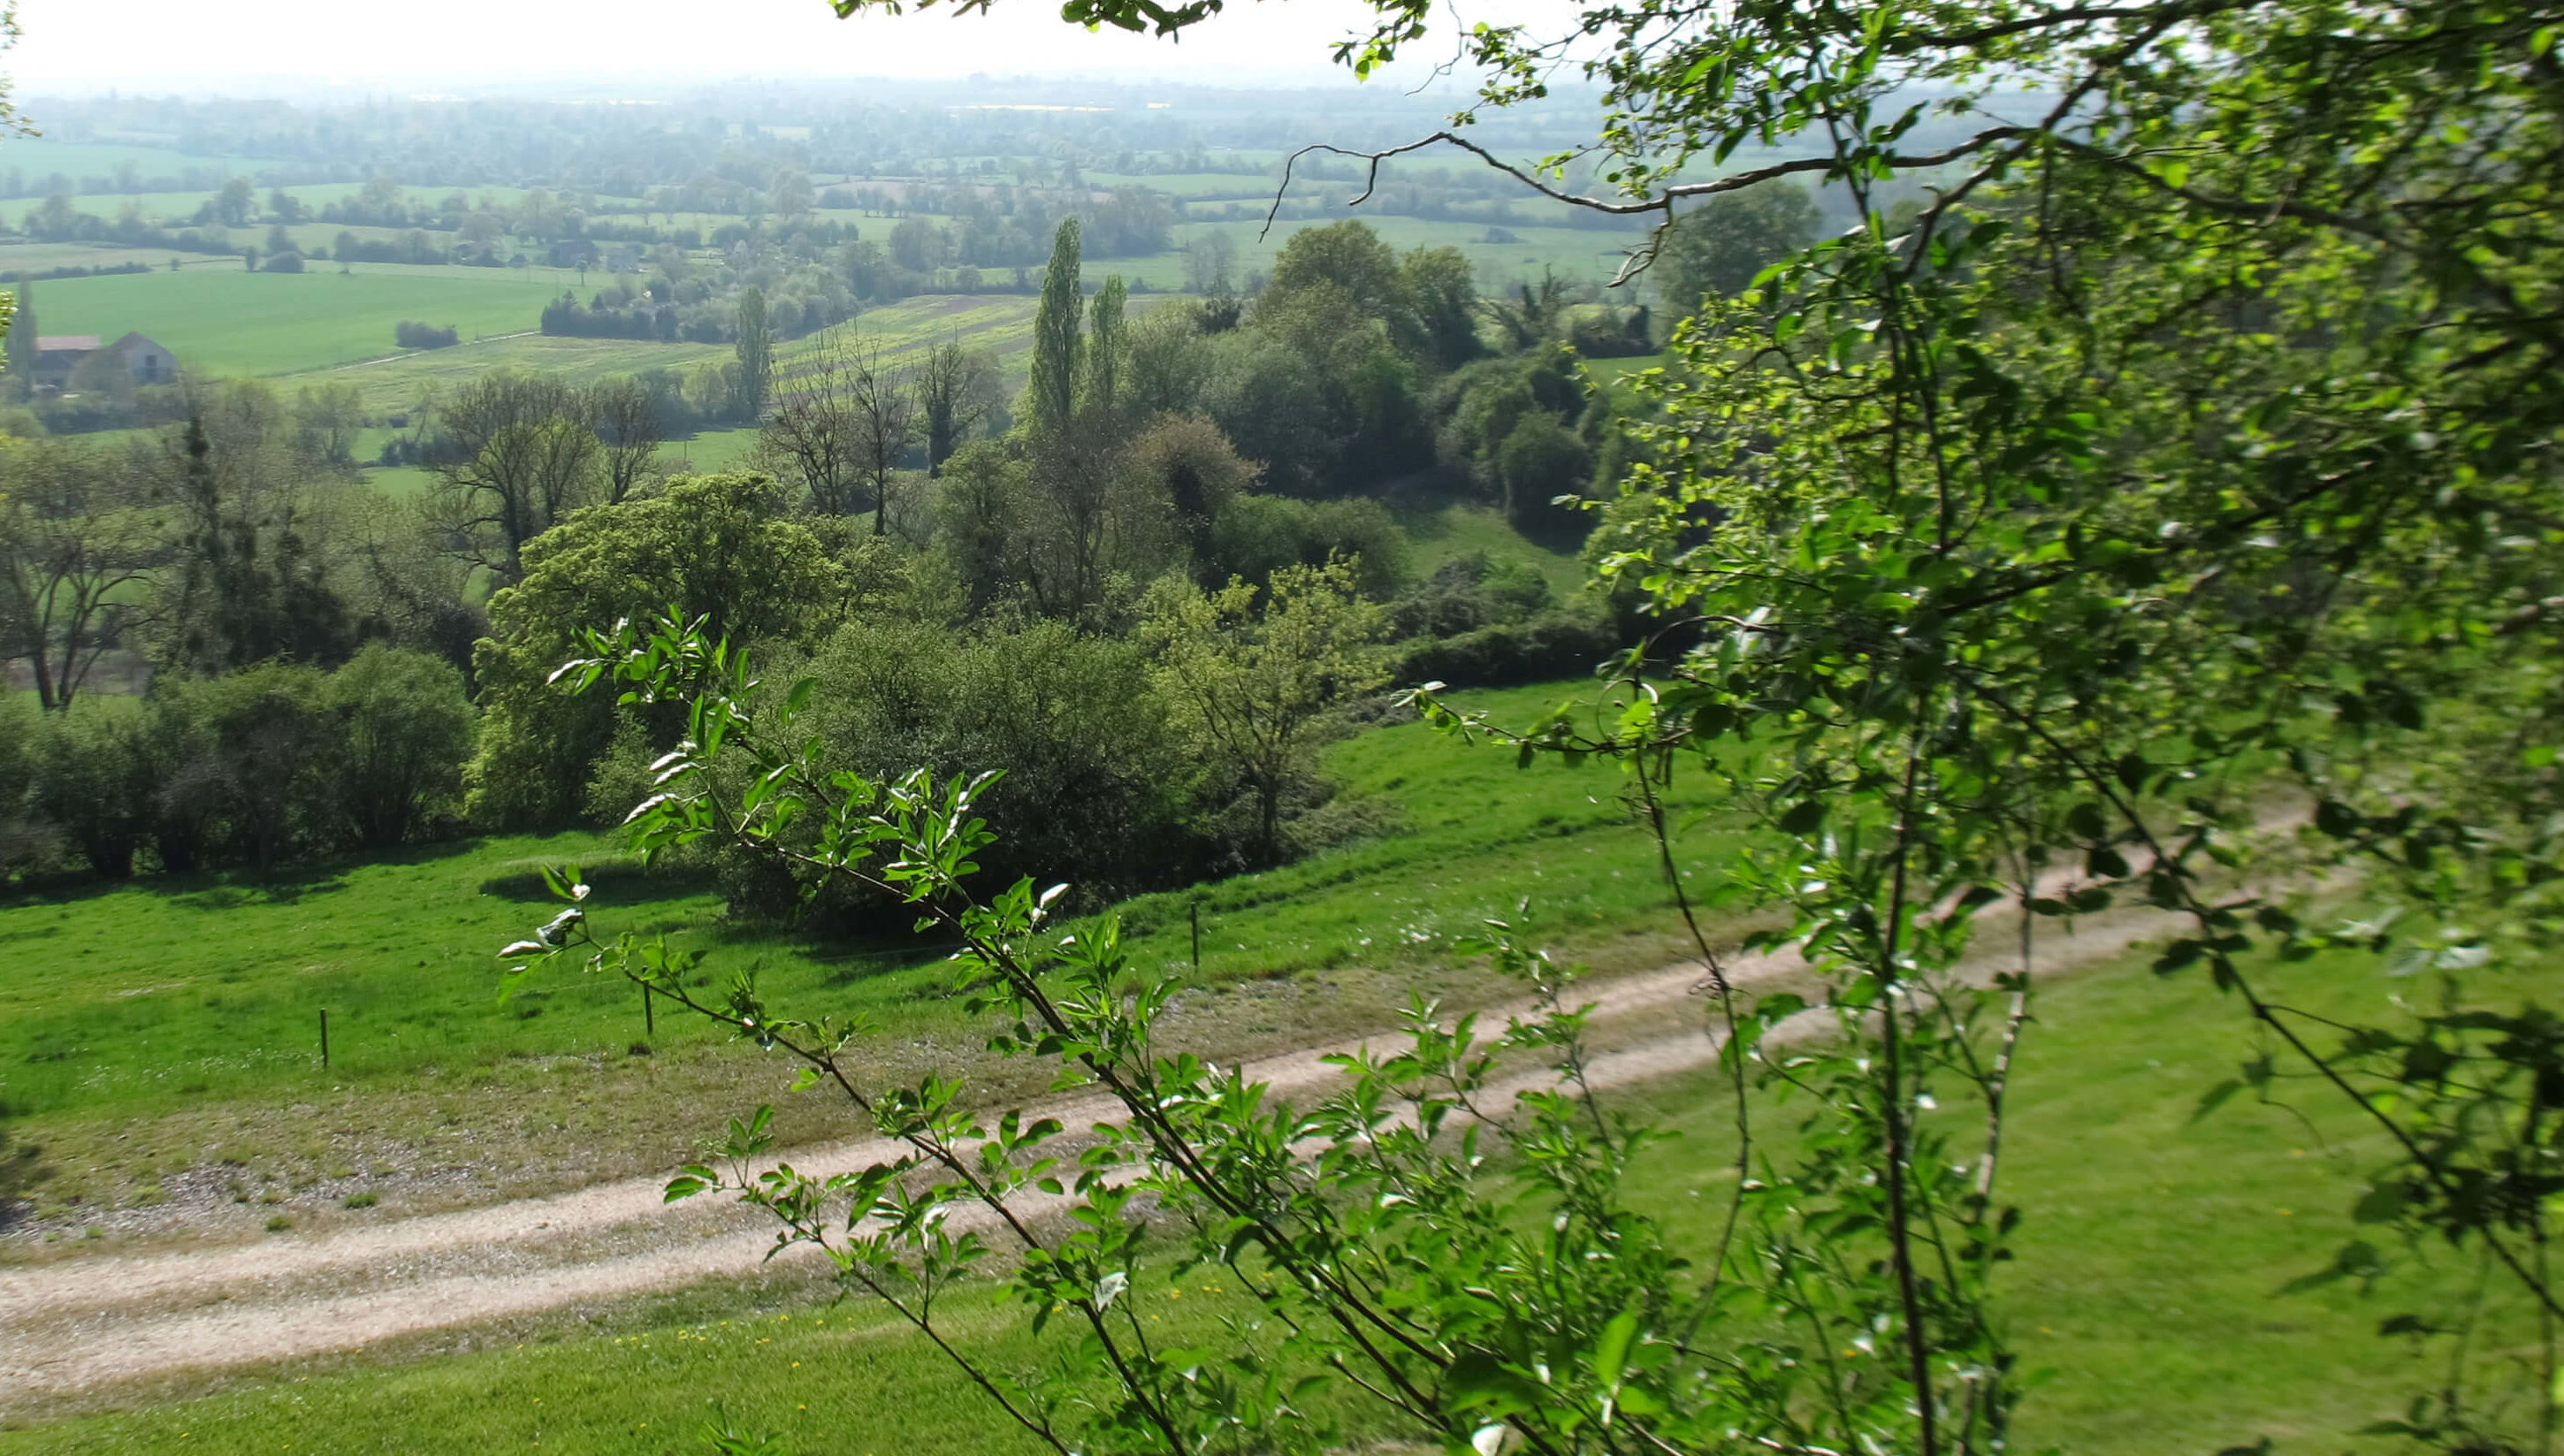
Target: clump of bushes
411	336
1482	621
254	768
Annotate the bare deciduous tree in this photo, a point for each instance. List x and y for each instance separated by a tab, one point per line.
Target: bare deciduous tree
626	421
516	455
956	389
884	408
811	438
75	533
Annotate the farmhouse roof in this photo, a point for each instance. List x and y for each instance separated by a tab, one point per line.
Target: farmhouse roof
47	343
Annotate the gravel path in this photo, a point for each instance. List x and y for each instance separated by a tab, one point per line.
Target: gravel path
80	1323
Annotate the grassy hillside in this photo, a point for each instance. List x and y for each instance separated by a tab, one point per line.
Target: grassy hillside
2147	1286
127	998
190	1006
1452	531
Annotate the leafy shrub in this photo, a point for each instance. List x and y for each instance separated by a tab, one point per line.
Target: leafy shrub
405	731
712	546
1093	772
1540	461
1554	644
24	839
91	782
258	767
1466	594
1254	536
247	766
410	335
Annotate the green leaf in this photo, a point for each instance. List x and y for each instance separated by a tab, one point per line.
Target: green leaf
1611	1358
1804	817
1611	1354
1477	1380
2179	956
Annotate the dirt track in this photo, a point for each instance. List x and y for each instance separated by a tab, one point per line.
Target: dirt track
78	1324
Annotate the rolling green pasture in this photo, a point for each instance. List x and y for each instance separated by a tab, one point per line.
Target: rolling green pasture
231	321
398	381
1000	322
133	996
187	1008
1452	532
2148	1278
1549	848
2147	1288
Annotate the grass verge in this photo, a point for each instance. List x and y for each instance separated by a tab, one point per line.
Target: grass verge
2149	1286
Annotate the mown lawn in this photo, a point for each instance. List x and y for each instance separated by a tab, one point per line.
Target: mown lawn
2147	1294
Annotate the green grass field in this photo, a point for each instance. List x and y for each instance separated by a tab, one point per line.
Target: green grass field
234	321
125	998
999	322
400	382
191	1006
2146	1292
1452	532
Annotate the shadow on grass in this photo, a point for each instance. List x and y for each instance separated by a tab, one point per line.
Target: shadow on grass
22	1167
231	889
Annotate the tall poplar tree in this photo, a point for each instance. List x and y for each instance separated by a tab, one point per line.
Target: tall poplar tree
1106	345
756	349
1055	335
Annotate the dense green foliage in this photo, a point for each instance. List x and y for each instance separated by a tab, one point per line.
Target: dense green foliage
713	546
257	768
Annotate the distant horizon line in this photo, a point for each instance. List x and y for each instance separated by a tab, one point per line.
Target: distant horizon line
258	85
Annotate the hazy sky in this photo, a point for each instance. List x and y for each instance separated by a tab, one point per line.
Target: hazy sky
231	44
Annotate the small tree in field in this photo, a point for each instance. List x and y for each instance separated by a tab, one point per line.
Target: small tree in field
1249	679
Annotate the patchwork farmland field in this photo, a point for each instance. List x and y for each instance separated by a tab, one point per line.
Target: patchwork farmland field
234	321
